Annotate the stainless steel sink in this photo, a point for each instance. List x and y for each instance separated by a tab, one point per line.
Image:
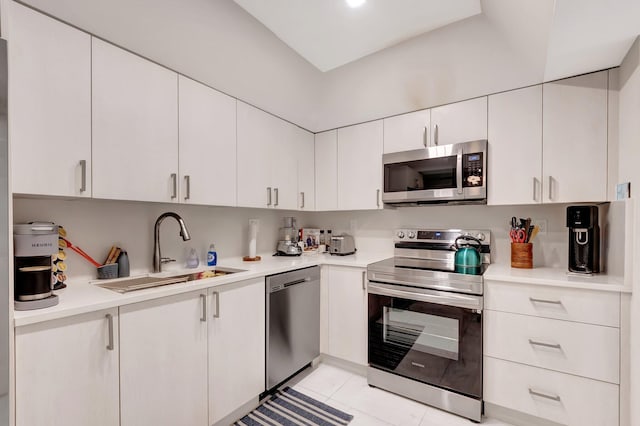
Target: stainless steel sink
132	284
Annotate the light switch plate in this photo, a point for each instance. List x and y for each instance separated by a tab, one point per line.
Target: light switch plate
623	190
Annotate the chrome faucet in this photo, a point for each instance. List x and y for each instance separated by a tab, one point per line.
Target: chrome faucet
158	260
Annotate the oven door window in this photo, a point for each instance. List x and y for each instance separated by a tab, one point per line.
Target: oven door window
436	344
419	175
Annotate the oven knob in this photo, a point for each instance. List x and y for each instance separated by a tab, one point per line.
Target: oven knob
412	234
400	234
480	236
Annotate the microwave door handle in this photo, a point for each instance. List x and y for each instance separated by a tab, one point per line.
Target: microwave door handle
459	172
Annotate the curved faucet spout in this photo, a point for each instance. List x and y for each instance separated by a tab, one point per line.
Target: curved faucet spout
184	233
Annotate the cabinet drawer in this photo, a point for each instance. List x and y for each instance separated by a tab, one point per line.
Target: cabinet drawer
554	396
586	350
588	306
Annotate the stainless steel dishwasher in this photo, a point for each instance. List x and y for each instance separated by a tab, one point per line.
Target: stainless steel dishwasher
293	323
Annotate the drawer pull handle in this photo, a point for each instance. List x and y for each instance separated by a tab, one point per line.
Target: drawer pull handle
546	345
552	302
544	395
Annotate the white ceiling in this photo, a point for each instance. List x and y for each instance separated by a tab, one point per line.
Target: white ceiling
328	33
579	36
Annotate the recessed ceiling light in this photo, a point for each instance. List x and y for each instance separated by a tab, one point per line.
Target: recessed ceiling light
355	3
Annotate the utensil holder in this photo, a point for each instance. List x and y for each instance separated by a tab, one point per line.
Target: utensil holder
522	255
109	271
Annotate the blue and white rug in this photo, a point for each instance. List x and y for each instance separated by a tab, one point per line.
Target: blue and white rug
289	408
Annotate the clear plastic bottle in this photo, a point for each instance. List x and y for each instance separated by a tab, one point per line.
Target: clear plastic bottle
321	239
328	238
212	256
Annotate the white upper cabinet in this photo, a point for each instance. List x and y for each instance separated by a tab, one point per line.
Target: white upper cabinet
459	122
515	147
407	131
207	139
575	139
360	166
135	127
326	170
304	143
284	166
49	105
267	160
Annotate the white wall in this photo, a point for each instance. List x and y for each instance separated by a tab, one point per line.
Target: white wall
629	153
374	229
501	49
220	44
95	225
213	41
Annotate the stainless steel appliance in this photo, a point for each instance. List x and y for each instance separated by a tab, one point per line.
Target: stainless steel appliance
454	173
584	239
425	321
342	245
293	323
288	240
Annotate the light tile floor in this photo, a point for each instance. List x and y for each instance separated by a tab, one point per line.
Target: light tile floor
350	393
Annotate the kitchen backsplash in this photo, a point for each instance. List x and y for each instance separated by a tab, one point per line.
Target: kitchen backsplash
374	229
95	225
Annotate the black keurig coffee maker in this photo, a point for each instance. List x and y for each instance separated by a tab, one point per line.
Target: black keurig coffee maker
33	245
584	239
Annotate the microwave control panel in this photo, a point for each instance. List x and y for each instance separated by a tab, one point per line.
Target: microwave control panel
473	169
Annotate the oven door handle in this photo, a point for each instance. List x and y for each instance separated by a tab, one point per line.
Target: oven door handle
429	296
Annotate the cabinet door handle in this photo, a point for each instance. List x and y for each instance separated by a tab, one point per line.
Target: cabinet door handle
550	188
364	277
174	186
275	190
424	136
83	174
459	172
435	134
552	302
268	196
203	300
544	395
535	180
378	197
216	314
546	345
302	200
187	181
110	345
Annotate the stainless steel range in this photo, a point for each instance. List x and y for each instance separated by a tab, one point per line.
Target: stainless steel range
425	321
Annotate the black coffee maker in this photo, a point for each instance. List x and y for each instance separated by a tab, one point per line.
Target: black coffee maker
584	239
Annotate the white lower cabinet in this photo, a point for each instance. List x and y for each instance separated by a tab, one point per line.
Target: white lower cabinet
586	350
67	371
163	361
553	352
236	346
562	398
347	313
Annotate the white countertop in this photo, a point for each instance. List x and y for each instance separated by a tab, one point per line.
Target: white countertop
558	277
82	296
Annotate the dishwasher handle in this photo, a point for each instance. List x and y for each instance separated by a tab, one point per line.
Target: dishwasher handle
280	287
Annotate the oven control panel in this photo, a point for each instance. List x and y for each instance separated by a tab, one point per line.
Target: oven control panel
440	235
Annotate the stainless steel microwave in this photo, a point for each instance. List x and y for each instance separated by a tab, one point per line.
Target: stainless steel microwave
454	173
